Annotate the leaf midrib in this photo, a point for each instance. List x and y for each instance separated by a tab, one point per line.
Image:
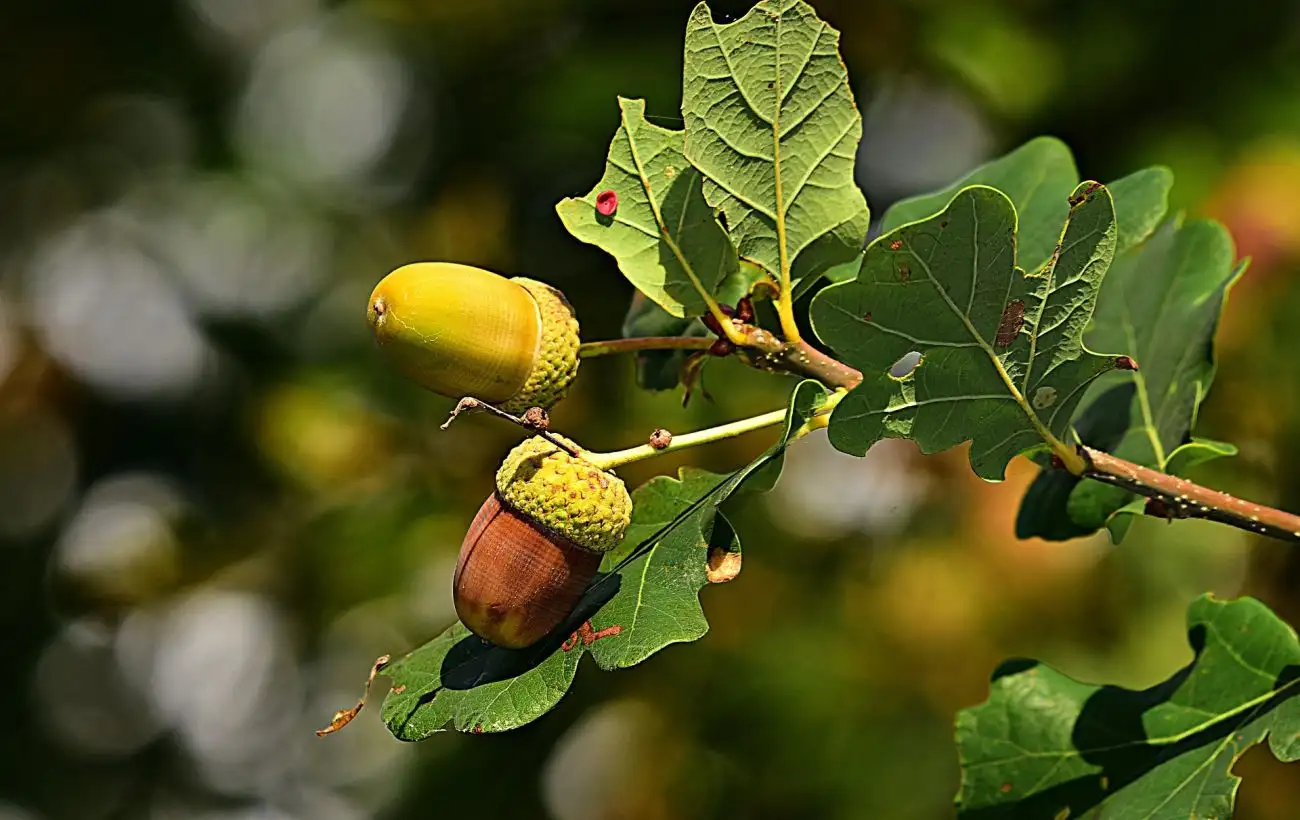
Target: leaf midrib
664	233
1010	383
1219	718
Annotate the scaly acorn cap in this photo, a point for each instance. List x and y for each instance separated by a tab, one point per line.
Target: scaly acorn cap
564	494
462	331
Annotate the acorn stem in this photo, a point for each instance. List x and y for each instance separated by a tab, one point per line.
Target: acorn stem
469	403
634	345
617	458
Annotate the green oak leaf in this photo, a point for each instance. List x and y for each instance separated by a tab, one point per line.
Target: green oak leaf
666	238
1046	746
1002	357
1161	305
1038	178
1141	200
645	598
772	125
661	605
659	369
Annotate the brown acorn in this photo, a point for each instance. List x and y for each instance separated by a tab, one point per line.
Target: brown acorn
536	543
463	331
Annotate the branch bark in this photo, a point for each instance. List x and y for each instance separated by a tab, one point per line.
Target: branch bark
1173	497
1168	496
765	351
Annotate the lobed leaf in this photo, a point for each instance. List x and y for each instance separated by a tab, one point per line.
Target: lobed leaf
1002	357
1161	305
1046	746
1038	178
666	238
645	598
772	125
1141	200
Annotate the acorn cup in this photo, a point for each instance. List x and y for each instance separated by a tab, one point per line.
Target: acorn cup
463	331
536	543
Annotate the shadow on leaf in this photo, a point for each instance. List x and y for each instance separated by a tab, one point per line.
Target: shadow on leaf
474	662
1102	426
1109	734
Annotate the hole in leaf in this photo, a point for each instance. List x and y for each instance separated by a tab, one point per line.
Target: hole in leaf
904	366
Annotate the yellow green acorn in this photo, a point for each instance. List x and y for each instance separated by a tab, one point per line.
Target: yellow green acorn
463	331
537	542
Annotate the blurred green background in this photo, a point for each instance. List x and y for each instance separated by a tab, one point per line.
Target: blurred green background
217	506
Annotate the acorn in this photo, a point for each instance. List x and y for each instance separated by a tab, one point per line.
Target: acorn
463	331
536	543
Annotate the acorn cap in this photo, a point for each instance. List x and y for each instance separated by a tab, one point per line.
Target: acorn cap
463	331
565	495
556	364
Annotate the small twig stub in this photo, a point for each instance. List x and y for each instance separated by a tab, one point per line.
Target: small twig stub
345	716
535	420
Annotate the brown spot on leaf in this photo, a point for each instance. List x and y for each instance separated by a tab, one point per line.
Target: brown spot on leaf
1005	788
866	317
478	729
399	689
572	642
1078	199
896	244
607	632
1013	318
588	636
724	565
904	272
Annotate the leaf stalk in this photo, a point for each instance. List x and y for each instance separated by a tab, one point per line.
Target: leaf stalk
609	347
617	458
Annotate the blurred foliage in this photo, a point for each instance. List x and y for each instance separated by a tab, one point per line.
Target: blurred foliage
217	507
